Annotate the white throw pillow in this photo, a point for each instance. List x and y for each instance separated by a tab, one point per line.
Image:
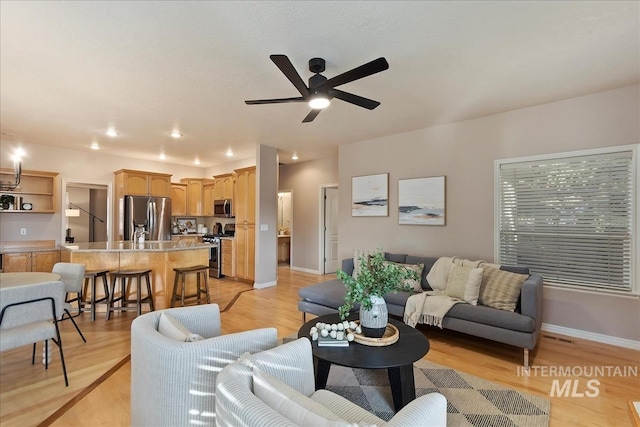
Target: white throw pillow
170	327
292	404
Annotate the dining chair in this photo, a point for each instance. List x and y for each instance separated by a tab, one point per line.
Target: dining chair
28	315
72	275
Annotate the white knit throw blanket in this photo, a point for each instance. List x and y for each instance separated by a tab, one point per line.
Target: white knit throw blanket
429	308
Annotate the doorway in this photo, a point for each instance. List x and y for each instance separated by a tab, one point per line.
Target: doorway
330	230
285	224
87	204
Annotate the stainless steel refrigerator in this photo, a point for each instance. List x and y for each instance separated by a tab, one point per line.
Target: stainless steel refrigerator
153	213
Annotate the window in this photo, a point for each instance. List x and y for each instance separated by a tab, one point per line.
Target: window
570	218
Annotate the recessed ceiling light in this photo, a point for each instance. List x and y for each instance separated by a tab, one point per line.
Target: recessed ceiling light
111	132
95	146
196	161
229	153
175	134
19	153
294	157
163	156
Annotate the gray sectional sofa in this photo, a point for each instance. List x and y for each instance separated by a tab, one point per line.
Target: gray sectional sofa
520	328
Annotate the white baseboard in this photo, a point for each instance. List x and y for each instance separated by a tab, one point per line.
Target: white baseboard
592	336
305	270
265	285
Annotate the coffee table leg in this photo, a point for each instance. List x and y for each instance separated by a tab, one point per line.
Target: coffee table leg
322	372
403	388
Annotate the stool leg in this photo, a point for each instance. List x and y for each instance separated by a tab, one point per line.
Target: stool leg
93	298
138	291
206	286
105	284
184	285
149	292
175	290
112	295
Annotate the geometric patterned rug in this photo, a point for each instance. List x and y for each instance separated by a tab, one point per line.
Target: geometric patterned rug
471	401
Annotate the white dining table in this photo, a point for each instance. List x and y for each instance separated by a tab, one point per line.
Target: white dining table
8	280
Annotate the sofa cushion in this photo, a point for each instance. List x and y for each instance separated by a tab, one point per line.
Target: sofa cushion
290	403
401	258
501	289
170	327
428	263
492	317
418	268
397	298
329	293
515	269
464	283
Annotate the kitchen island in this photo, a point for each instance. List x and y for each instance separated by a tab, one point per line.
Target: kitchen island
159	256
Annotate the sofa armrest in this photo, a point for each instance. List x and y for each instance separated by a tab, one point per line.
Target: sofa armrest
531	299
428	410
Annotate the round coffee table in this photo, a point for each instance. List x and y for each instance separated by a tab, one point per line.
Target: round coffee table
396	358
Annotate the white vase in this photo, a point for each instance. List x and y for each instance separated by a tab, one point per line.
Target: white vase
374	321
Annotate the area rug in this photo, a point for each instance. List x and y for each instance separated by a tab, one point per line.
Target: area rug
471	401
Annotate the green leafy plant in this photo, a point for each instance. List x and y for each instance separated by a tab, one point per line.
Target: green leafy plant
6	199
377	277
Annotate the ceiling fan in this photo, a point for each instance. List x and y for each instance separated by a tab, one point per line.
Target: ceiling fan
321	90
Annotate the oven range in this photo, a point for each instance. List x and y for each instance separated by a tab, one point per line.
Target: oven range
215	261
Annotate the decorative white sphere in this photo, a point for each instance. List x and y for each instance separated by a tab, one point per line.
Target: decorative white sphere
319	325
350	337
340	327
314	336
358	329
340	335
313	329
352	325
327	327
324	332
334	327
346	324
333	334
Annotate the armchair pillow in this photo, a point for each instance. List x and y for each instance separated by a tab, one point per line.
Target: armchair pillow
464	283
170	327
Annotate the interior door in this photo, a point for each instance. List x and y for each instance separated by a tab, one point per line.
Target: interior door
330	230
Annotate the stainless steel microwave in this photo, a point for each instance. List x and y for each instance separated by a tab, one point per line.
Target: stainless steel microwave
222	208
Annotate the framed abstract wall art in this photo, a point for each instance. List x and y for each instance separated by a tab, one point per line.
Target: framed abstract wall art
421	201
370	195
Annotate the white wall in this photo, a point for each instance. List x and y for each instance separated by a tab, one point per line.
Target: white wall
465	153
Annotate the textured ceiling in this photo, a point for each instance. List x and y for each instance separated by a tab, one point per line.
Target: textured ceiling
69	70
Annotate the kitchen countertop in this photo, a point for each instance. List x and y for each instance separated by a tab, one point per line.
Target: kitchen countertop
147	246
28	249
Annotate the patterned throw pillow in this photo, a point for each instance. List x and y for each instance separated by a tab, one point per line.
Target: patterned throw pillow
415	284
501	289
464	283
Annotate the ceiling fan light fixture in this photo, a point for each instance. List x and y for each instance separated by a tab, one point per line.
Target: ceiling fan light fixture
318	101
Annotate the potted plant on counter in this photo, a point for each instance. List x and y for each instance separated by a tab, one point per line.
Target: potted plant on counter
7	201
376	278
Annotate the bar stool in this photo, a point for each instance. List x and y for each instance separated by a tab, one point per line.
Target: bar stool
126	276
90	277
179	287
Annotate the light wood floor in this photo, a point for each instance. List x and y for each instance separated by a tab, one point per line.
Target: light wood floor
99	371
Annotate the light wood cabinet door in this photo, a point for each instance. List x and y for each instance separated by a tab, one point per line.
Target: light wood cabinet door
194	197
245	197
245	252
19	262
16	262
207	199
136	184
44	261
159	185
178	199
224	186
228	261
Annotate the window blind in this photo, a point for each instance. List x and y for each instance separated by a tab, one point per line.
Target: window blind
569	219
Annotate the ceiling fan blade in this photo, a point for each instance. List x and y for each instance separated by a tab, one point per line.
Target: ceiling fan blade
290	72
365	70
360	101
274	101
312	115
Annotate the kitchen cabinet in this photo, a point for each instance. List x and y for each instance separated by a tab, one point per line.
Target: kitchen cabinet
224	186
195	194
140	183
38	188
30	261
228	249
178	199
245	212
207	199
284	248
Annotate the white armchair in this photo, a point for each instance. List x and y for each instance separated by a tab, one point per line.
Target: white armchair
173	382
240	384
